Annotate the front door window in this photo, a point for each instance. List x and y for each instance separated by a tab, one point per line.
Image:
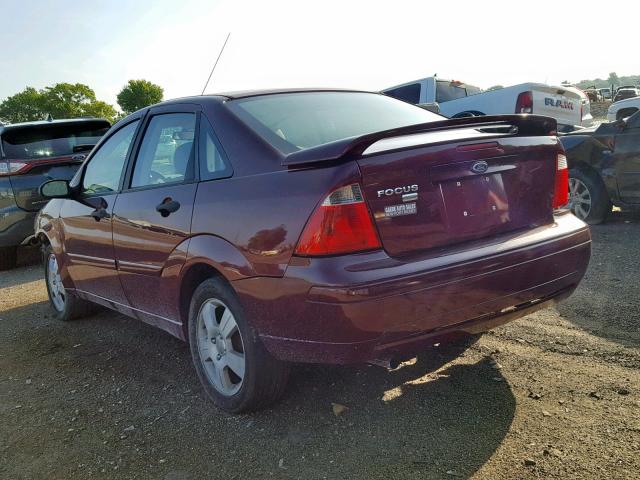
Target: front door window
104	170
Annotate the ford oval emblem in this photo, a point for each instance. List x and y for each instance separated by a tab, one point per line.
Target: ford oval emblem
480	167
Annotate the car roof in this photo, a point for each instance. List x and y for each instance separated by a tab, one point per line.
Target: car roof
41	123
250	93
278	91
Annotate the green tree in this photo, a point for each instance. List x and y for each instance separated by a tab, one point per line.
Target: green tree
138	94
613	79
100	109
62	100
24	106
66	100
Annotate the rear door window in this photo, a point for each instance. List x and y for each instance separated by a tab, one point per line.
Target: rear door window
213	161
55	140
408	93
167	151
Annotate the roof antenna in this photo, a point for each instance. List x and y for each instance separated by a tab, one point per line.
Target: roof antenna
214	65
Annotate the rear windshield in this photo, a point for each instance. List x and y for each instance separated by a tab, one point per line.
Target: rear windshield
297	121
43	141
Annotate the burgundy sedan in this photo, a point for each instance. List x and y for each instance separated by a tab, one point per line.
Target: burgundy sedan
328	226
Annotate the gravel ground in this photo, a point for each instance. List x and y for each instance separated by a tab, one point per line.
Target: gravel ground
553	395
599	110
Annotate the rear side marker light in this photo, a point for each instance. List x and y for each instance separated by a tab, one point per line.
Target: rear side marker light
340	224
561	193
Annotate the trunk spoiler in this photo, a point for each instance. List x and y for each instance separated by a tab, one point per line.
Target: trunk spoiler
523	125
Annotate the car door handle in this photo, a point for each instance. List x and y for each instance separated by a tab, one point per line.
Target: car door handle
79	157
167	207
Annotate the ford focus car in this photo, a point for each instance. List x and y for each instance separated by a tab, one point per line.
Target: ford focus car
273	227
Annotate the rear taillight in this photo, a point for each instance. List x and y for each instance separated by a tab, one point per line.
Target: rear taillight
561	193
340	224
13	168
524	103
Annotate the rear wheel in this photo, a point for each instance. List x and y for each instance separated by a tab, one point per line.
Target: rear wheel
588	198
65	306
470	113
236	371
625	112
8	257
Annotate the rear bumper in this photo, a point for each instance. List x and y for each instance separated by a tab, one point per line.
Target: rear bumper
369	306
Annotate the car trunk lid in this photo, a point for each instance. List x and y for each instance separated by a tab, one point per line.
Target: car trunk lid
440	190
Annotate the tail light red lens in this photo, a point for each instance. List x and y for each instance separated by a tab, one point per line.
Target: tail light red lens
524	103
340	224
561	193
13	168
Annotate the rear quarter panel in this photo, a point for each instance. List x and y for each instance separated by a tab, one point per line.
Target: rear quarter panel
261	215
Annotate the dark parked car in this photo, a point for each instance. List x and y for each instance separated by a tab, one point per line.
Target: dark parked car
31	153
604	164
626	92
312	226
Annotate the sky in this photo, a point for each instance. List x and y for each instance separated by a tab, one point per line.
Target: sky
282	43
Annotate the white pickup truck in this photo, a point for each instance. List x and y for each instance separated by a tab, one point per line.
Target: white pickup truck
623	109
456	99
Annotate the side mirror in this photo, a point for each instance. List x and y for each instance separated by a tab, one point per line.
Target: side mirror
55	189
432	107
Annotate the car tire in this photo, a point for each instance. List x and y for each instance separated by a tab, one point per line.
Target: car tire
588	197
237	372
8	258
65	306
625	112
467	114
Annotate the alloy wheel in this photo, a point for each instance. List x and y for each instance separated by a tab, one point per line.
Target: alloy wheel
57	292
220	347
579	198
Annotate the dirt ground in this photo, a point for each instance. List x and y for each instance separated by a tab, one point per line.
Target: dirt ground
553	395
